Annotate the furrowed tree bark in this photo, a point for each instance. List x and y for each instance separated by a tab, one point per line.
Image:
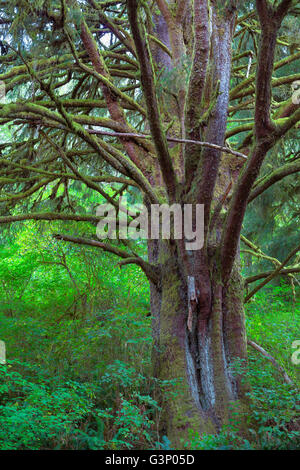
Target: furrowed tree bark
198	324
198	319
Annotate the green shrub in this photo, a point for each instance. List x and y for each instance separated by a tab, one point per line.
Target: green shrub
42	414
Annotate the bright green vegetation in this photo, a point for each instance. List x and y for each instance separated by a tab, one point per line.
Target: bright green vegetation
98	96
78	337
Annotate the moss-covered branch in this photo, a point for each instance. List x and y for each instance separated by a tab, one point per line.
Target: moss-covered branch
273	274
274	177
151	271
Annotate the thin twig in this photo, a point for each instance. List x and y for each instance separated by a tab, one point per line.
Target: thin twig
170	139
270	358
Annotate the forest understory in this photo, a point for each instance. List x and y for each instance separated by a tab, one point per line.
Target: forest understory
79	373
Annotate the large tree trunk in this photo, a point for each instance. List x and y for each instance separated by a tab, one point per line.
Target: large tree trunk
198	325
196	346
198	319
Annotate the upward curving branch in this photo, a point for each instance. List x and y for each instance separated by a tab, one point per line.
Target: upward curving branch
274	177
152	272
266	133
153	113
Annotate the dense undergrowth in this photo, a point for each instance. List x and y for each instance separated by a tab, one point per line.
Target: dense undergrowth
78	375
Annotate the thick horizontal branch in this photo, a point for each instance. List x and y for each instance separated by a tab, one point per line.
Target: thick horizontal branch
273	274
41	109
48	216
257	277
152	272
275	176
172	139
238	129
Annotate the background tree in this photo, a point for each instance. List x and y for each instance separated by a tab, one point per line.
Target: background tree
139	98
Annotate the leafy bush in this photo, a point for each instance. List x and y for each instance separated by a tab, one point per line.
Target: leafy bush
275	407
127	426
42	414
81	378
227	439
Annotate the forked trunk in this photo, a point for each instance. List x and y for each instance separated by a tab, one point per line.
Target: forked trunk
198	325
